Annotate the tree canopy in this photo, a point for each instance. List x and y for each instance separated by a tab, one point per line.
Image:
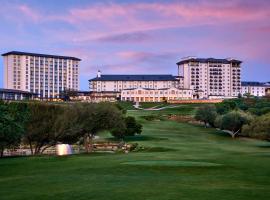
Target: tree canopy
12	119
206	114
258	128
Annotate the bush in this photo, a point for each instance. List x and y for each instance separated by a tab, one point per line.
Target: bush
258	128
12	124
234	120
152	117
130	128
226	106
206	114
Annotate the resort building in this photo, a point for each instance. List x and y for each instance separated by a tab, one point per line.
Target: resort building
255	88
215	77
96	97
117	83
155	95
16	95
46	75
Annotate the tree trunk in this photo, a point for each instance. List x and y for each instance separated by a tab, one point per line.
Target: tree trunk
235	133
91	143
46	147
1	152
31	147
85	141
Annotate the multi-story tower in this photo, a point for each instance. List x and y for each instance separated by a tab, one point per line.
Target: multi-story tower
214	77
46	75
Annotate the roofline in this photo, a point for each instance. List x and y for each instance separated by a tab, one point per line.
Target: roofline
93	79
213	60
41	55
254	84
17	91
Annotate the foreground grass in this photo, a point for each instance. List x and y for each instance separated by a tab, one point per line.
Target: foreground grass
180	161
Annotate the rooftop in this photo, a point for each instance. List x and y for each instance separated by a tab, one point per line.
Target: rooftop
15	91
40	55
253	83
208	60
143	77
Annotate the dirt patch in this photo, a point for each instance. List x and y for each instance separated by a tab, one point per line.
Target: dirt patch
184	119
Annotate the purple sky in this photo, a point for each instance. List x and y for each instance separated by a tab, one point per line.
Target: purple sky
140	36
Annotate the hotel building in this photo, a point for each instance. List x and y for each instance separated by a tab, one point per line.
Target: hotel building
215	77
117	83
156	95
46	75
255	89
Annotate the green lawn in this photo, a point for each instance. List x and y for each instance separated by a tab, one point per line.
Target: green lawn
179	162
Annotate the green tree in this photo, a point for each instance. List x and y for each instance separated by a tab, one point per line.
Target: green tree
233	122
67	93
226	106
207	114
41	126
258	128
95	118
218	121
130	128
12	119
50	124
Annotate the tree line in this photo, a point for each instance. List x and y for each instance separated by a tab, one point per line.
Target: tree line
244	117
42	125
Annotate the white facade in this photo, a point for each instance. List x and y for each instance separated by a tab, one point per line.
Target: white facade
254	90
215	77
155	95
46	75
117	83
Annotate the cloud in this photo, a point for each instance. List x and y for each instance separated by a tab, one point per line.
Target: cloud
132	17
146	56
126	37
29	13
129	22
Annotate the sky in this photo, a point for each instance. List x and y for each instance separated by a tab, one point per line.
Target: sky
139	37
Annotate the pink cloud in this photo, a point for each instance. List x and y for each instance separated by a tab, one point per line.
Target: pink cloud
165	14
29	12
105	21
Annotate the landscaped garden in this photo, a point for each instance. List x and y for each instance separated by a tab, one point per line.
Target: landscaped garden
174	161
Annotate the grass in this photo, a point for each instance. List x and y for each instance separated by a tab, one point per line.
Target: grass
153	104
179	161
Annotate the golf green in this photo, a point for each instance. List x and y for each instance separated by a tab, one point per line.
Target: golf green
176	162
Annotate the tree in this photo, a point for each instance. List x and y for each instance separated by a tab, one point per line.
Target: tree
239	96
130	128
12	119
95	118
42	126
226	106
218	121
133	127
233	122
67	93
206	114
258	128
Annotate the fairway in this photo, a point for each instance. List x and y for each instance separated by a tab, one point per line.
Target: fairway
178	161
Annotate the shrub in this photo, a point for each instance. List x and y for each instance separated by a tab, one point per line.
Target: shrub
130	128
152	117
206	114
258	128
234	120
